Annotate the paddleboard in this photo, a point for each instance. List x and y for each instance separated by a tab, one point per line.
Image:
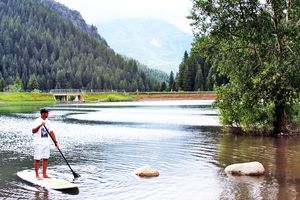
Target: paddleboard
48	183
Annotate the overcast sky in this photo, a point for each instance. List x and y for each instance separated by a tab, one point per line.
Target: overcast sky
172	11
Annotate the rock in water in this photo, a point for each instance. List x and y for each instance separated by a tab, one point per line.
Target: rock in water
248	168
146	171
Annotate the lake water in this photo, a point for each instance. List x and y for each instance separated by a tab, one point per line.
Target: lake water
106	142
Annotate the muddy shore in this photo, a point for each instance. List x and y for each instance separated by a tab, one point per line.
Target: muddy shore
176	96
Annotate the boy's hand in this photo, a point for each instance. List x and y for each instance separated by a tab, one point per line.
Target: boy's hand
42	124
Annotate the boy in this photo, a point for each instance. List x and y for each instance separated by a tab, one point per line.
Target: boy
41	142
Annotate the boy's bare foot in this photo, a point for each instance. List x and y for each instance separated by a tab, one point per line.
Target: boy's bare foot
46	176
38	178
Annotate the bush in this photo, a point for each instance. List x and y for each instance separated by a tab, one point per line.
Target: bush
117	98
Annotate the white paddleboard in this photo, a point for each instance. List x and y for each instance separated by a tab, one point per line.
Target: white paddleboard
48	183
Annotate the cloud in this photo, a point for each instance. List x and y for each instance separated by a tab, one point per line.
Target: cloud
155	43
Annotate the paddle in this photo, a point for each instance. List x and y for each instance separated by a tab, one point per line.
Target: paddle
74	173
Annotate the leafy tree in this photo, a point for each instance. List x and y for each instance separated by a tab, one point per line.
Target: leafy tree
255	44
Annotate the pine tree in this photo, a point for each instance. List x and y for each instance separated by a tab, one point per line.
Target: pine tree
33	83
171	82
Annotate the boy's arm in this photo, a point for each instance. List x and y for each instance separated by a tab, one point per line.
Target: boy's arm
36	129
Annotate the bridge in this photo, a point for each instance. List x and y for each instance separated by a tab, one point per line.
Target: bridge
67	95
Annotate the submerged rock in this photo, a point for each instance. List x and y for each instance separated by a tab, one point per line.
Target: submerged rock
146	171
249	168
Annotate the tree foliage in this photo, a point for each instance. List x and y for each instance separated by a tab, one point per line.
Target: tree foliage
255	44
36	42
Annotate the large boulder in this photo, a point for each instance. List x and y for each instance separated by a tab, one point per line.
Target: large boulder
248	168
146	171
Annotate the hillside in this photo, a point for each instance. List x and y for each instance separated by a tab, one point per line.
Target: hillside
41	50
76	19
156	43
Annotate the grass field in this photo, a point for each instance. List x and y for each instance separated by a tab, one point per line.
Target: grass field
26	98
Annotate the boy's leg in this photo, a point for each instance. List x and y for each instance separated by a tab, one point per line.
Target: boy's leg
45	165
36	168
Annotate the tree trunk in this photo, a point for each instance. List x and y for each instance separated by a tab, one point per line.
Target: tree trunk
280	122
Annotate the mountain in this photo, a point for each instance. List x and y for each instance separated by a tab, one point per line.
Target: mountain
40	49
76	19
155	43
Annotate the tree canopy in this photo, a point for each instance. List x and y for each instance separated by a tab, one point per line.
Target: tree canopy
255	45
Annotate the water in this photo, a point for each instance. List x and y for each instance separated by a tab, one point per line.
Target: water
106	142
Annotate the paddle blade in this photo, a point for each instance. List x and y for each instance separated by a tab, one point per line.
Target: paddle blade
75	175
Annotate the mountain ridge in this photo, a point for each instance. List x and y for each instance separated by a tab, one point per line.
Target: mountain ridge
156	43
77	20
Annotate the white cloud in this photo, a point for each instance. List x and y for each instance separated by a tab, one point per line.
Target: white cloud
172	11
155	43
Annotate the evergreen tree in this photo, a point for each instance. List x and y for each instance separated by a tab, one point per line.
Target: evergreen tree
172	82
2	85
193	73
33	83
163	86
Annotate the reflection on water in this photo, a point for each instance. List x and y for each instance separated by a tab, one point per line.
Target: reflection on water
105	143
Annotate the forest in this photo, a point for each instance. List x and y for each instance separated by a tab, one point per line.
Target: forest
41	50
195	74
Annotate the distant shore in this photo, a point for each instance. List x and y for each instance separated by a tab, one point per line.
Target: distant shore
175	96
37	98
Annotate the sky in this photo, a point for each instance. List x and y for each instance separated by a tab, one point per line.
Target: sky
98	11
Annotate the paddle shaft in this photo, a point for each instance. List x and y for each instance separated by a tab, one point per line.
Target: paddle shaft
74	173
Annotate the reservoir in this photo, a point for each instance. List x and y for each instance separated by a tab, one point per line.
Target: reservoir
183	140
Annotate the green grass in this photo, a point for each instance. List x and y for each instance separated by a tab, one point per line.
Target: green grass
25	98
47	98
108	97
118	97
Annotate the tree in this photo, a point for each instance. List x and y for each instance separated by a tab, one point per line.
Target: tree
181	74
255	44
163	86
1	83
199	80
17	86
172	82
33	83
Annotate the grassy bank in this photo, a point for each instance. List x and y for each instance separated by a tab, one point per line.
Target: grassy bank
108	97
26	98
47	98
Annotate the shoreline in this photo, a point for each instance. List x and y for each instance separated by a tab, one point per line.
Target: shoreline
27	98
172	96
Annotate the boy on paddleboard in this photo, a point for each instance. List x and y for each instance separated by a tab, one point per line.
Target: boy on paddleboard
41	129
